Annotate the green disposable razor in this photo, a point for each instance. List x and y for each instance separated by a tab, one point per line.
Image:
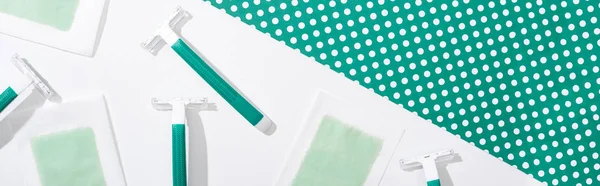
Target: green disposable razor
167	34
21	82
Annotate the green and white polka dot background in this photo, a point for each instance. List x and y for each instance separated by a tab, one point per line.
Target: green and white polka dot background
518	79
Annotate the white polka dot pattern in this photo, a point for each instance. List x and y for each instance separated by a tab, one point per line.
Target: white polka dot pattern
517	79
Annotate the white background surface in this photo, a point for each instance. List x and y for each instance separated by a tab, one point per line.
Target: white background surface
226	149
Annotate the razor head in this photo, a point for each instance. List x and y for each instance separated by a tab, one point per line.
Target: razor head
173	25
178	18
153	45
440	156
190	103
39	83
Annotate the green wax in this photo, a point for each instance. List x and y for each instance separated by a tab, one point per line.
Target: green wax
339	155
68	158
55	13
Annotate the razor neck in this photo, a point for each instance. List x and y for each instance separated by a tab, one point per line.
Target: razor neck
178	113
430	169
169	35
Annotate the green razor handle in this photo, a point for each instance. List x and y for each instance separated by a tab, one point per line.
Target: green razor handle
229	93
179	155
434	183
7	97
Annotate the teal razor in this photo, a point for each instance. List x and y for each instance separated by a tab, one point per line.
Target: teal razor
167	34
20	85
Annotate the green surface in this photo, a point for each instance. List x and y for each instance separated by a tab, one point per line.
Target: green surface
7	97
434	183
338	155
68	158
55	13
518	79
179	155
239	103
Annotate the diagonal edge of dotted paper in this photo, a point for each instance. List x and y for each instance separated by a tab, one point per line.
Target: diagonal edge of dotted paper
518	79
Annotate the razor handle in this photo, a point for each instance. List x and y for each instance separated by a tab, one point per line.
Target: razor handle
233	97
179	155
434	183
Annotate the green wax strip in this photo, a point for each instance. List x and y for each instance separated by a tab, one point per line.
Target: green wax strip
55	13
68	158
338	155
